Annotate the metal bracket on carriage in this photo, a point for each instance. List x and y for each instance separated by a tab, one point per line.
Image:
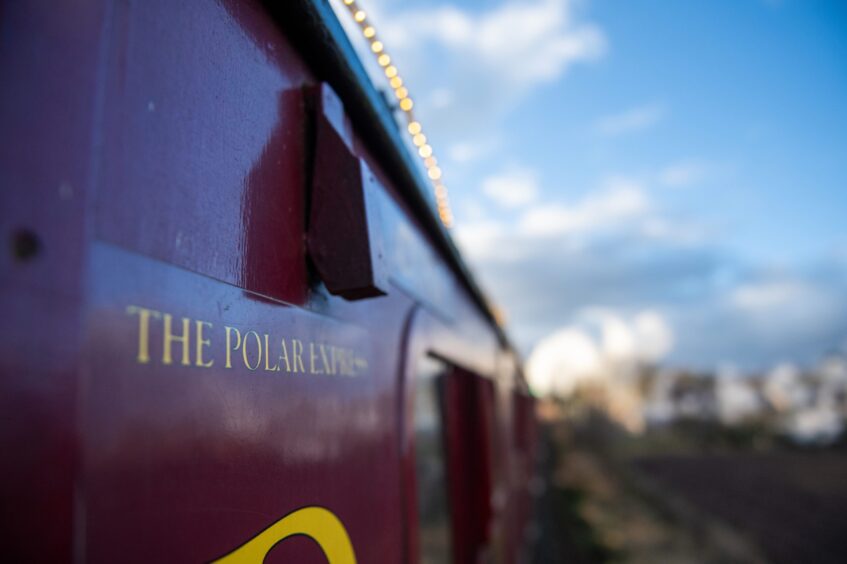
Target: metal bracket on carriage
344	238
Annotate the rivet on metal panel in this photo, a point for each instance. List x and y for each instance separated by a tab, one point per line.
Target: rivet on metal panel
25	245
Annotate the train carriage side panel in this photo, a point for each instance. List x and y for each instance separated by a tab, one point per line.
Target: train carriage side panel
178	383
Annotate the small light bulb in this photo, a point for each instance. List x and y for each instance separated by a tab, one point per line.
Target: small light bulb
396	82
369	32
348	2
376	46
430	162
401	93
434	173
391	71
414	128
425	151
406	105
360	16
419	139
383	60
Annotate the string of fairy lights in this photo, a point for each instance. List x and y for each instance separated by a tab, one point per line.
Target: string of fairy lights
413	126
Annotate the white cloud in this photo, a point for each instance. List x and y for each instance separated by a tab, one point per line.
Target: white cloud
491	56
616	338
562	362
644	337
482	239
577	356
721	307
635	119
654	335
608	209
512	188
763	297
778	305
535	41
522	42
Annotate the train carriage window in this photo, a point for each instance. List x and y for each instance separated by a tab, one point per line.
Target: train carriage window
431	464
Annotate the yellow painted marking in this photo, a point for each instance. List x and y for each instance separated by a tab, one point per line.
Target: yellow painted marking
317	523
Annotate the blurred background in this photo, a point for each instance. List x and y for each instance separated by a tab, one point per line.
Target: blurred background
653	194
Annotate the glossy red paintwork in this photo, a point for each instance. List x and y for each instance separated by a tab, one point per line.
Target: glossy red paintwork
159	153
203	156
344	238
469	439
49	62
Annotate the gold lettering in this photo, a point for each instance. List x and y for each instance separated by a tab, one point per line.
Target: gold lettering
345	361
325	360
170	338
229	348
284	356
333	354
144	316
244	350
350	356
268	357
297	351
359	364
201	342
312	357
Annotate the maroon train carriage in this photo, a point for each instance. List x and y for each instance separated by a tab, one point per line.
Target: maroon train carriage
232	326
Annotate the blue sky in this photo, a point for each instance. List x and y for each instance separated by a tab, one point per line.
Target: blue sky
686	160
